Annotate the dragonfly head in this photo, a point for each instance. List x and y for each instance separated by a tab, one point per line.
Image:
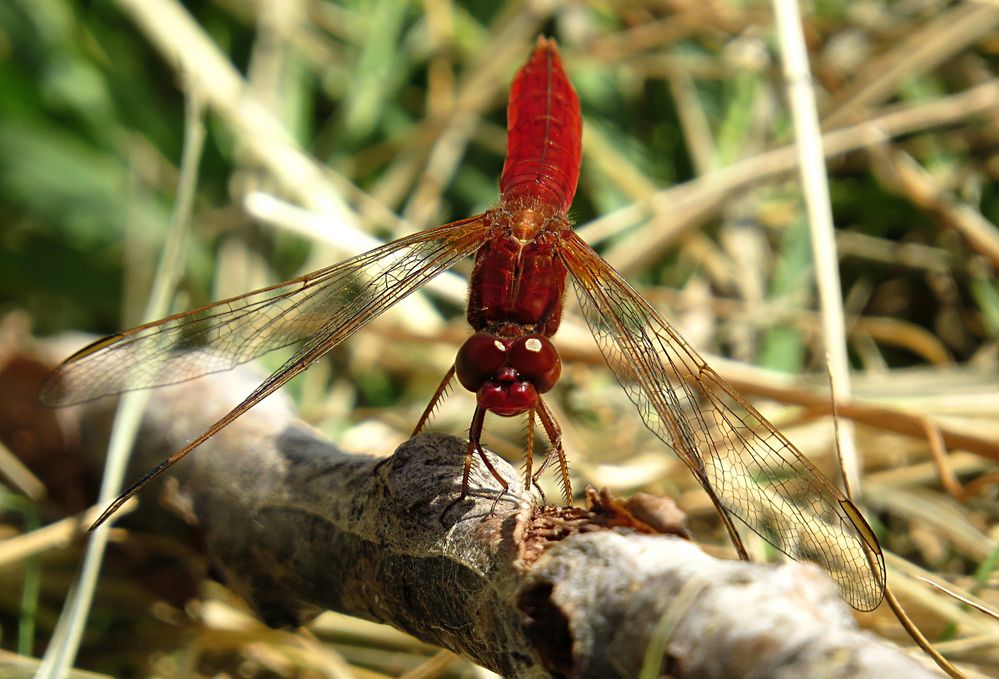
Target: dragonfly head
507	374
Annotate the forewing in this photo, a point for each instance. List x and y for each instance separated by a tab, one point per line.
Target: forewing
756	473
324	307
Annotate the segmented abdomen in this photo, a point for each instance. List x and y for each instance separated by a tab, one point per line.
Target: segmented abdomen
544	132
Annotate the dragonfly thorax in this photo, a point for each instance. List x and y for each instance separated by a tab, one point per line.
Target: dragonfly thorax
519	278
507	374
526	224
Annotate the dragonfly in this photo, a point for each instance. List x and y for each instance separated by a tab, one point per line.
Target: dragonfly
524	249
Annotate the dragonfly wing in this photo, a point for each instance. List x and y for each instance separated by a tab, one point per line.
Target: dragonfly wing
324	308
755	472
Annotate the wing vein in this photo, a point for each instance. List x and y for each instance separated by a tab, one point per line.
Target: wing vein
756	474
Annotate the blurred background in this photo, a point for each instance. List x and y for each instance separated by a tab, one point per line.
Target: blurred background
329	123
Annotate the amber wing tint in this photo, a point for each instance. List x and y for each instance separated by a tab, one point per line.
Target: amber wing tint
758	476
321	309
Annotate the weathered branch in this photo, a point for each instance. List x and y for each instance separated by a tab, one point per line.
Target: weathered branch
298	526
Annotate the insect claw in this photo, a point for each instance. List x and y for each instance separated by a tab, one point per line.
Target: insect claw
492	509
535	486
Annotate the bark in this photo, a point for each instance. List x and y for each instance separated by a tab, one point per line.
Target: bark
297	526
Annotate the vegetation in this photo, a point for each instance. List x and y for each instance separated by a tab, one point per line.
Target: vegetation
384	117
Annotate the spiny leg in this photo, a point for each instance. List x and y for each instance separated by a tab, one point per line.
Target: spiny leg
529	452
545	463
531	479
555	436
474	442
474	445
490	467
434	402
474	434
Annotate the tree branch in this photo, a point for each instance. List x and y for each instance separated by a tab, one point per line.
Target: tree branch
298	526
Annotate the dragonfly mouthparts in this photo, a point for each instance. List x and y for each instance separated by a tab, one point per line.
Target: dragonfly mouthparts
507	398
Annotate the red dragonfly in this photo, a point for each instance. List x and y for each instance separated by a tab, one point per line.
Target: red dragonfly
523	249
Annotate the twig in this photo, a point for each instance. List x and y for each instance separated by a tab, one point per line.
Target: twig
681	208
938	453
189	50
19	476
52	536
911	179
297	526
917	635
61	653
815	185
759	383
947	34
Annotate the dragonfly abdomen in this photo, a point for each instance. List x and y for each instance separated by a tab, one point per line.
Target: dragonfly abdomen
544	132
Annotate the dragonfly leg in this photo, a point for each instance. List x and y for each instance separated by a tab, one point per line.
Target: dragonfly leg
475	446
474	443
541	493
531	477
490	467
474	434
545	463
555	436
529	451
492	509
434	402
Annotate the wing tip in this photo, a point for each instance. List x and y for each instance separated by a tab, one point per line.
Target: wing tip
56	392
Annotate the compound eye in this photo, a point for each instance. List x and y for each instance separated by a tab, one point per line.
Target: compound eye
535	358
480	357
